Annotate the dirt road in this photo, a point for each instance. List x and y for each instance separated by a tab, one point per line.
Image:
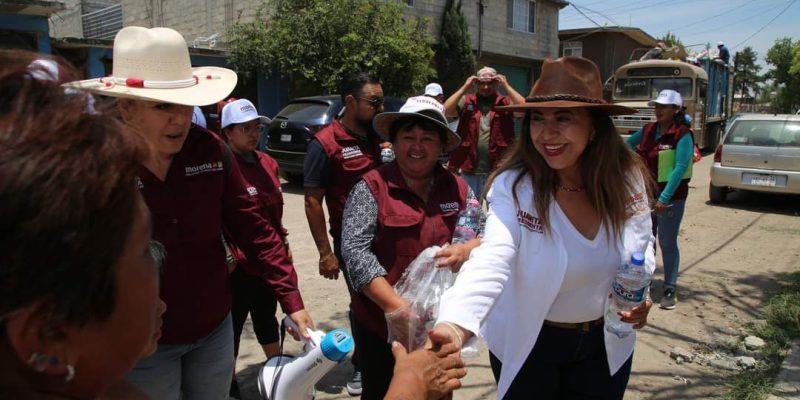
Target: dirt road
732	257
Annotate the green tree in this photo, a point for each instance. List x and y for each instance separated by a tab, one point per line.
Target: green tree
455	60
747	78
317	42
780	57
670	39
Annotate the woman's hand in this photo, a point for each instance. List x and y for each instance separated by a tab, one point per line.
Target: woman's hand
425	374
638	315
454	255
404	324
660	207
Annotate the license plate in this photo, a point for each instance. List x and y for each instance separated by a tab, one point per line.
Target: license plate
763	180
286	138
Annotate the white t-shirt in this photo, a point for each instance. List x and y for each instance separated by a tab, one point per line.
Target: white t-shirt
591	265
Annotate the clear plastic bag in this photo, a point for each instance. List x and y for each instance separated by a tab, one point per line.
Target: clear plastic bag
422	285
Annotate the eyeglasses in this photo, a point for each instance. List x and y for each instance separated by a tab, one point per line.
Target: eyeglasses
249	128
375	102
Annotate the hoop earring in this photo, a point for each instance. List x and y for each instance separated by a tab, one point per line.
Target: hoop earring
70	373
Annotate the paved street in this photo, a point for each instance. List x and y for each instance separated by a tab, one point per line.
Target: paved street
733	255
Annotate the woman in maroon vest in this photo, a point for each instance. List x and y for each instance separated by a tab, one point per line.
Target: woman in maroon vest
391	215
241	125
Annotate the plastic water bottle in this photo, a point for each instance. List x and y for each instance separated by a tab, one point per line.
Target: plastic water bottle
629	290
387	153
469	222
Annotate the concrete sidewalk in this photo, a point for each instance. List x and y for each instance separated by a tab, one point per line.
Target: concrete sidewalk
787	385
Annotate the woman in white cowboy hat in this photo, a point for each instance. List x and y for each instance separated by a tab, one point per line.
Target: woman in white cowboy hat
391	215
193	188
566	208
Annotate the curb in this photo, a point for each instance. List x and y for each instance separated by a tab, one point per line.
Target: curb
787	384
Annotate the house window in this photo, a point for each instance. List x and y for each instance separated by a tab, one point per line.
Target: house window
409	3
574	49
522	15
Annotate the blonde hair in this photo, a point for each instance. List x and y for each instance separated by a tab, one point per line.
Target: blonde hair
605	165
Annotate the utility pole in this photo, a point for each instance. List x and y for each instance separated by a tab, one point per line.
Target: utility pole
481	8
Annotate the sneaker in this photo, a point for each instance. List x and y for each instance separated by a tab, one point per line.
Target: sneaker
669	299
354	384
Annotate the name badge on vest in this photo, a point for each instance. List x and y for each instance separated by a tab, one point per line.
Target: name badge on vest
252	191
351	152
139	183
448	207
529	222
664	147
204	168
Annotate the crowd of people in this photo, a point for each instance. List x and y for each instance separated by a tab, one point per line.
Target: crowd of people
150	238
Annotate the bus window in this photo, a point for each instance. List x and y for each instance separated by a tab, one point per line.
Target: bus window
648	88
702	91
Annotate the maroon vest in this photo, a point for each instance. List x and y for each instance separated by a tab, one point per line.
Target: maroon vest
649	147
406	226
501	136
349	158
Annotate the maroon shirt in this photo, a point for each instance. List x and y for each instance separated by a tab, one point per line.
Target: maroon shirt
264	185
189	209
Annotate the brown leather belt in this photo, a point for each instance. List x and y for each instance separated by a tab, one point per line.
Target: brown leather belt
580	326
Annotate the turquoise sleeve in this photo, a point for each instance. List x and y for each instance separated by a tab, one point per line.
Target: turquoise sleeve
683	156
635	139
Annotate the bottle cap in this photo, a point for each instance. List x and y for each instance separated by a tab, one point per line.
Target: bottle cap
474	203
637	258
386	145
336	345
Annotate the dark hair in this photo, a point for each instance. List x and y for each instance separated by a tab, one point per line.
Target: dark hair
67	180
352	84
605	166
408	122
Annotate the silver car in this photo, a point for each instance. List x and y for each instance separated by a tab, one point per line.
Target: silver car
759	153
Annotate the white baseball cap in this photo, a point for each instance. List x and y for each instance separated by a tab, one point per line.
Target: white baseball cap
422	107
667	97
720	44
239	112
198	118
433	90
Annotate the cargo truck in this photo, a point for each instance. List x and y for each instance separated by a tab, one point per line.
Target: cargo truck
706	90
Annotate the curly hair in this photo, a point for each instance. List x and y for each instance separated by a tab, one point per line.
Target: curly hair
67	180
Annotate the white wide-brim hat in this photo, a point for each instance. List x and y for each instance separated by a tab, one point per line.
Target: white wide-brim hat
154	65
422	107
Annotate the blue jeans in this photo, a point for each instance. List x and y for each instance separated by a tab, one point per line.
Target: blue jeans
198	371
665	227
475	182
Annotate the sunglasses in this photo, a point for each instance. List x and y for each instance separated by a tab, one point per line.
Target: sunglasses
374	103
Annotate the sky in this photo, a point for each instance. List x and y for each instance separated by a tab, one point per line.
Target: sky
734	22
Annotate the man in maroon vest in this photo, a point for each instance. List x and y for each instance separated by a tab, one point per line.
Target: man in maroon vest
485	132
337	157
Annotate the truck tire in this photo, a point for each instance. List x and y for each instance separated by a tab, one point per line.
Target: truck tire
717	194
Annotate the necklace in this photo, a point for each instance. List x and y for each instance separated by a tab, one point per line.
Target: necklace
570	189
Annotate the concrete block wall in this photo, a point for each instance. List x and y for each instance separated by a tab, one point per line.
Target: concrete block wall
497	37
189	17
67	23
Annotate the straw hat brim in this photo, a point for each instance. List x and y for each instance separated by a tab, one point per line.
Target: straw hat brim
205	92
610	109
383	121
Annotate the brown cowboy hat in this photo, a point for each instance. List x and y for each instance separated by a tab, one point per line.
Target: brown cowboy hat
569	82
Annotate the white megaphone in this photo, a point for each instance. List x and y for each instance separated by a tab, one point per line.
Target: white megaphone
293	378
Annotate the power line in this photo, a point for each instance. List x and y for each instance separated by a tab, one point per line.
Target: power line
767	24
587	17
728	24
710	18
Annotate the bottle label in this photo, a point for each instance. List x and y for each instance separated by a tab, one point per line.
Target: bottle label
465	232
633	296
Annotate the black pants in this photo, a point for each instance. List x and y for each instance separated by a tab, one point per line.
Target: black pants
252	295
566	364
376	361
